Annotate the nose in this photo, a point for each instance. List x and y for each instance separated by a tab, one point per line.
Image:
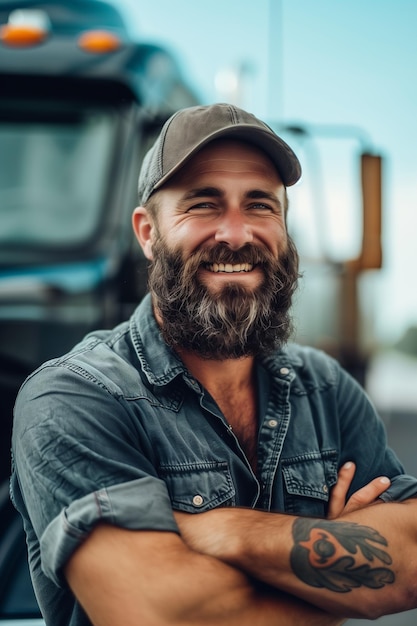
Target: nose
234	230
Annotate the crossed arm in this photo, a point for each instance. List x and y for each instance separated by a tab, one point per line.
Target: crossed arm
362	565
155	578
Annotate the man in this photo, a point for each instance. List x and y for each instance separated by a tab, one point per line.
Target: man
190	466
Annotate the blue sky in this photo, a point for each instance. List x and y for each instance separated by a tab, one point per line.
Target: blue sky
328	63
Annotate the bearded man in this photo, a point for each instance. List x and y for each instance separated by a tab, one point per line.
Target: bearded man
191	466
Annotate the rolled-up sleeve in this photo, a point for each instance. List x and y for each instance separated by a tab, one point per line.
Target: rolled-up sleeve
402	488
82	458
141	504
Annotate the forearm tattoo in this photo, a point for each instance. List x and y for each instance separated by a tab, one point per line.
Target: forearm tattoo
339	556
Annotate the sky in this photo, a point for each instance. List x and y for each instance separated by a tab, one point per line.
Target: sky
344	71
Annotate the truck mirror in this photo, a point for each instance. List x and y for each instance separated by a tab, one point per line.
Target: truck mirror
371	175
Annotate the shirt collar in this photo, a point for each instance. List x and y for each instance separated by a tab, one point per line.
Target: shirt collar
159	363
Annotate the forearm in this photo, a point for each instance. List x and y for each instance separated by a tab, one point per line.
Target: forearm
155	580
361	565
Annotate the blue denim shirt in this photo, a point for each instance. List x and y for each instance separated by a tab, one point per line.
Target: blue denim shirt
119	431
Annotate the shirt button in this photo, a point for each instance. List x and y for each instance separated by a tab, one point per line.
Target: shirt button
325	488
272	423
198	500
284	371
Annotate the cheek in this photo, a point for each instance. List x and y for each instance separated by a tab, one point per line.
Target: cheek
274	236
188	237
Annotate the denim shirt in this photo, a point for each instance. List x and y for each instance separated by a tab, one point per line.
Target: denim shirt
119	431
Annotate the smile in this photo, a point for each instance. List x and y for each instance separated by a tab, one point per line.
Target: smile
229	268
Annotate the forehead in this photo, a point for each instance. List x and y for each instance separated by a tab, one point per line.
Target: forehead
228	156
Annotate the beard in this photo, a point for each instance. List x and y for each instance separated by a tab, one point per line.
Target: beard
234	321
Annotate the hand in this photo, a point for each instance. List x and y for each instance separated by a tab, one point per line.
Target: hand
363	497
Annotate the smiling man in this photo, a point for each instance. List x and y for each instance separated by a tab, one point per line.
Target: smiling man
191	466
224	268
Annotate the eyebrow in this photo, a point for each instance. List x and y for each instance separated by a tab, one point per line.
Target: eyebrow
203	192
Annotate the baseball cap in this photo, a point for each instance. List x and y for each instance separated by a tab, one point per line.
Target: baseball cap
190	129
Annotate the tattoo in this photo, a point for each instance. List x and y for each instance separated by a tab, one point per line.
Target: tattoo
337	555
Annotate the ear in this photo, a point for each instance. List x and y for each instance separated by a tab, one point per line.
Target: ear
143	227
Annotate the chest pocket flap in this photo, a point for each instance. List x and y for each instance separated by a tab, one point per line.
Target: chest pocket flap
311	475
198	487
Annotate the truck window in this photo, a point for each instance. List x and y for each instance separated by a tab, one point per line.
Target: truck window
54	167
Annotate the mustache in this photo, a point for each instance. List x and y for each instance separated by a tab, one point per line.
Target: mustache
222	253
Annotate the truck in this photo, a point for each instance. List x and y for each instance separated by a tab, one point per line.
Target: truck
80	103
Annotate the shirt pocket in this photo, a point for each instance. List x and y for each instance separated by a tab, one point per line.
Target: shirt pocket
198	487
308	479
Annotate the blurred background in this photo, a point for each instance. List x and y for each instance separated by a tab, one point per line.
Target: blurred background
85	86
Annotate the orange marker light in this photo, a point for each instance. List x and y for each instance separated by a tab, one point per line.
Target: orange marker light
20	36
99	41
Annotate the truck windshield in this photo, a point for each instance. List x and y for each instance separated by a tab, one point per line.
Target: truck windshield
54	168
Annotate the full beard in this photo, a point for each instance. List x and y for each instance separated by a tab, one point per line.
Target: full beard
234	321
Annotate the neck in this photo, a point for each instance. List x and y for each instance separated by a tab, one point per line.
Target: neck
219	377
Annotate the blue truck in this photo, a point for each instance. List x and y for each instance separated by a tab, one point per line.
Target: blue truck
80	103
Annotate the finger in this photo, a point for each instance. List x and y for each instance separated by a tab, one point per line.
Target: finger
339	492
367	495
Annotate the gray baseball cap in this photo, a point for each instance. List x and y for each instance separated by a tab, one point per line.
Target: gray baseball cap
190	129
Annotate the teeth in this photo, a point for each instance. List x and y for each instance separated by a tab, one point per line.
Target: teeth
229	268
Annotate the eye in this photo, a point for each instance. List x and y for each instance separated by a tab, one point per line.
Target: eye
266	208
261	206
202	207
